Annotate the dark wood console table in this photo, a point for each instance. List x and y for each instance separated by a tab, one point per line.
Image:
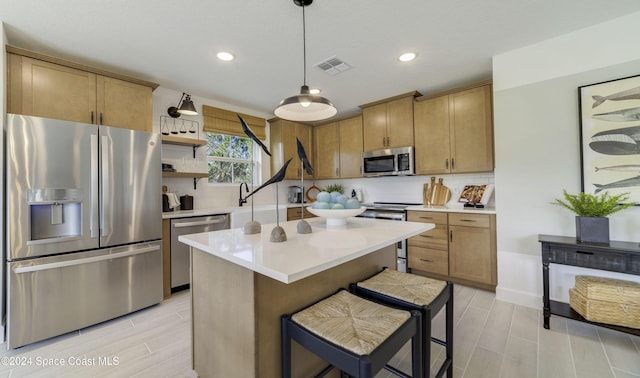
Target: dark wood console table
618	256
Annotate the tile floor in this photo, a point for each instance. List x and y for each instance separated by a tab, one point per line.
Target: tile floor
492	339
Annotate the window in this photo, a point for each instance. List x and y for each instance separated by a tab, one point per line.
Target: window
229	159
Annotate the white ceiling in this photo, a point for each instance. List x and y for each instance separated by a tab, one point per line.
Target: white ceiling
174	43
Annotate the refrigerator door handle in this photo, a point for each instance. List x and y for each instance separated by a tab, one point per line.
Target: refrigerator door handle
61	264
201	223
93	203
105	214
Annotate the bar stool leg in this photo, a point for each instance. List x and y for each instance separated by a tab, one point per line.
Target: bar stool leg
285	346
449	330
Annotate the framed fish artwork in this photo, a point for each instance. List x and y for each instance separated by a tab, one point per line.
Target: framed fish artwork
610	137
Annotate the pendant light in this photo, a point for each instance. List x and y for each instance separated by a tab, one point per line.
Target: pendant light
305	106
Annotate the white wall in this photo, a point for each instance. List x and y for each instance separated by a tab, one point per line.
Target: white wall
538	149
206	195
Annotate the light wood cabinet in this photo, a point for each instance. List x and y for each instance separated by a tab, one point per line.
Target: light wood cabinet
472	248
283	134
338	149
461	248
293	213
388	124
454	132
43	86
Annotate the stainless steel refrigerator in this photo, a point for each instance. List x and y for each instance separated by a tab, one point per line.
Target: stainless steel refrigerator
84	224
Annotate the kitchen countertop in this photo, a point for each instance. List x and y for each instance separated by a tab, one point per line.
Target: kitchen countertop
453	209
196	212
301	255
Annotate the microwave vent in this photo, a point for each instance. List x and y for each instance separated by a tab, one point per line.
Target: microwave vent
333	66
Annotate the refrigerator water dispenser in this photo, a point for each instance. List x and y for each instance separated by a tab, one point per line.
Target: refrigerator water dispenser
54	213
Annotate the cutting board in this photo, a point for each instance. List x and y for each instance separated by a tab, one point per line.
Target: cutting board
435	193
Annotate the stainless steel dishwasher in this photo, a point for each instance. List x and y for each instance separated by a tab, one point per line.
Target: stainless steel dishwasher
180	256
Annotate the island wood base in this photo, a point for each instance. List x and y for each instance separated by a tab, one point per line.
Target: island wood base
236	313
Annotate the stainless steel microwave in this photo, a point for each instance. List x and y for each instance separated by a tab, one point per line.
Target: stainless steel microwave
389	162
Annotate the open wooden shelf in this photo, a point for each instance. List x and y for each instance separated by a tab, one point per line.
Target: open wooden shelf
195	175
168	139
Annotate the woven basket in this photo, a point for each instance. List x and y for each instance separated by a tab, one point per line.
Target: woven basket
608	312
608	289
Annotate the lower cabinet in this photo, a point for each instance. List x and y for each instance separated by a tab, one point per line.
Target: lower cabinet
461	248
293	213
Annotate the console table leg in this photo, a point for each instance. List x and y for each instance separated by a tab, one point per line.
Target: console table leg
546	307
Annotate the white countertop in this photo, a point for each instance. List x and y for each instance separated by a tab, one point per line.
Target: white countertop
453	209
303	255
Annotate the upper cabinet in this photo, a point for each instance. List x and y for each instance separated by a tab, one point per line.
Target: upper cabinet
338	149
43	86
388	123
454	132
283	134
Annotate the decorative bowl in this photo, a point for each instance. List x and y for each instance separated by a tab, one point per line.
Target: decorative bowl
336	217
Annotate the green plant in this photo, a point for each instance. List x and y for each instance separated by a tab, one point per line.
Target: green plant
334	188
593	205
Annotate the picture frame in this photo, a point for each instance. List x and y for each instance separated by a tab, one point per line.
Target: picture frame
610	137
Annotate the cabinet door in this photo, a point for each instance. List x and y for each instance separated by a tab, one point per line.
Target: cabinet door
289	150
470	254
471	131
351	147
431	128
400	123
54	91
305	134
123	104
374	127
327	150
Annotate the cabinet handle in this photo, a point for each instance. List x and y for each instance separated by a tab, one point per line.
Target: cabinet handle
426	218
388	141
426	236
425	260
92	118
451	236
337	173
102	123
584	252
446	163
468	220
453	163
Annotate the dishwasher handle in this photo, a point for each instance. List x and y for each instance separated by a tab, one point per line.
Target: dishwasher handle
218	220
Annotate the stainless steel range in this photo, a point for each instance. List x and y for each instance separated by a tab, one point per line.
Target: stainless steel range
394	211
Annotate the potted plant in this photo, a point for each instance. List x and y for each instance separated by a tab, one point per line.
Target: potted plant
592	210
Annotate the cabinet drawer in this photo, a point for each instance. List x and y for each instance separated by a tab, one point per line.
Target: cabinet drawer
429	260
588	259
427	217
434	238
469	220
293	213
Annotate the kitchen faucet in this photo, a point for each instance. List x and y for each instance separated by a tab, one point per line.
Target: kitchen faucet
246	189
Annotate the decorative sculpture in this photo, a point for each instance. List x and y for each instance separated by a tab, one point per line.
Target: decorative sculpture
303	226
253	226
277	234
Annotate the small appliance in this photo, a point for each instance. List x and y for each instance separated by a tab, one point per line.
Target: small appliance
295	194
388	162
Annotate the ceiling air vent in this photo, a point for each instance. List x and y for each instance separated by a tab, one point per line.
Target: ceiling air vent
333	66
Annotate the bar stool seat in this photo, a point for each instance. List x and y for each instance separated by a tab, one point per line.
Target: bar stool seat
353	334
413	292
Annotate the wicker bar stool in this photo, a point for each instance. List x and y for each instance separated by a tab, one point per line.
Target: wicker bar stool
353	334
413	292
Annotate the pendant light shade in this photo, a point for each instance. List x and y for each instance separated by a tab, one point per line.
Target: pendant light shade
305	106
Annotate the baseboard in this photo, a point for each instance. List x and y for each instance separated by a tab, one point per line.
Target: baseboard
519	297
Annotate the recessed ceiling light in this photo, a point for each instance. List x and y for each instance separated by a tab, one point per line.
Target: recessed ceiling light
314	90
406	57
226	56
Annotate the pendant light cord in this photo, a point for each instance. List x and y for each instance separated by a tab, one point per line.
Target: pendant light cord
304	48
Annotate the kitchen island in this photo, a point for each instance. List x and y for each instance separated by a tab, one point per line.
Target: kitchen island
242	284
